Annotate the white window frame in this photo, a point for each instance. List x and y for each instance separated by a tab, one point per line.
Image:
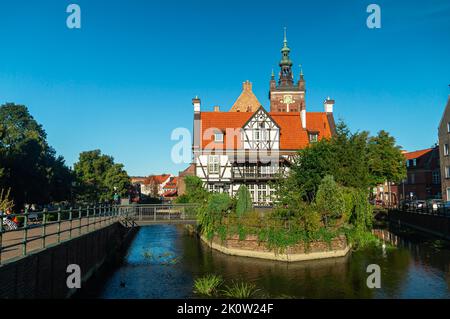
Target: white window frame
447	171
445	149
448	127
414	160
213	164
315	139
218	137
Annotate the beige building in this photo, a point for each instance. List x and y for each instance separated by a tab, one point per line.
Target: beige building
444	143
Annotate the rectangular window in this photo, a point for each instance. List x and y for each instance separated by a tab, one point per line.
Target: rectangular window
313	137
445	149
414	162
214	188
412	178
436	177
448	193
448	127
447	171
213	164
256	135
218	137
407	163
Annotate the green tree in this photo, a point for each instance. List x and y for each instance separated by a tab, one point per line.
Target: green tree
386	161
29	166
210	214
244	201
99	177
344	156
195	192
330	200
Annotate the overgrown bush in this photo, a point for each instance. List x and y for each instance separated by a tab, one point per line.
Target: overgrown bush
210	215
330	201
244	201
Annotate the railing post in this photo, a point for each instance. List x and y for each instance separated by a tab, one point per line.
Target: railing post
70	222
87	215
44	228
25	233
59	225
154	213
80	212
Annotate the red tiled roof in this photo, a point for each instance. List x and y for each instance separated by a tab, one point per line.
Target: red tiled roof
158	179
292	135
417	154
172	184
170	193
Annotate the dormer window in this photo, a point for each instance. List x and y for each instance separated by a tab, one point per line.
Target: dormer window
218	137
313	137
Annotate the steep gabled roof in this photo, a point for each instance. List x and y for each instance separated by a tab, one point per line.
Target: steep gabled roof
292	135
247	101
417	154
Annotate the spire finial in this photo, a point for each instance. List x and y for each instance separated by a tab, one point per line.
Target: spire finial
285	37
301	69
273	73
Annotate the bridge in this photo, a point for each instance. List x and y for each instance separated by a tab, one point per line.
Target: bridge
36	231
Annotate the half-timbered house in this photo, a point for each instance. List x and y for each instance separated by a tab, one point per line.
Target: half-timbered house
251	146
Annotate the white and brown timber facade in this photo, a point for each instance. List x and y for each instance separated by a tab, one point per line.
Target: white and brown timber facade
251	146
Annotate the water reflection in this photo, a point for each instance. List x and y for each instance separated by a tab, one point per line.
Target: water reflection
164	260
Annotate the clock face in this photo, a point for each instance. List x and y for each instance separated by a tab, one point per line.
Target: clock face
287	99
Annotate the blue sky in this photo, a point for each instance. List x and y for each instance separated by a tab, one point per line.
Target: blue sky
125	80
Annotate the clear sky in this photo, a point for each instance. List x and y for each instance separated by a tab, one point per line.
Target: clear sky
125	80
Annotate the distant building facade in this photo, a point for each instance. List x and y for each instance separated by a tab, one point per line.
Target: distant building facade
444	143
423	179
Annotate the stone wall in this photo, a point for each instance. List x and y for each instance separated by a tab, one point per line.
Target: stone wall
43	274
433	224
252	247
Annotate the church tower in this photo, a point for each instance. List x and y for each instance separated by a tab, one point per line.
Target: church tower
287	96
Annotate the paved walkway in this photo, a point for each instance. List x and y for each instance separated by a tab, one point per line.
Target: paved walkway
36	232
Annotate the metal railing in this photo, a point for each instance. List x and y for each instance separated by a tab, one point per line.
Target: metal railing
30	231
161	212
426	209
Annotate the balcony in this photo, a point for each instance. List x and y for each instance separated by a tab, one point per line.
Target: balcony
254	173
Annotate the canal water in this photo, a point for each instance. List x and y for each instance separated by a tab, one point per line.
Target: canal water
164	260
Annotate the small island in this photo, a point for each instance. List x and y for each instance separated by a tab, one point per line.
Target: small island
321	206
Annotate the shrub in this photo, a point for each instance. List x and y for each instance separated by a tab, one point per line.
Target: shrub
330	201
240	290
210	215
244	201
207	285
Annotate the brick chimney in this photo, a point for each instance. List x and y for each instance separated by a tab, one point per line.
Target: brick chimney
247	86
216	108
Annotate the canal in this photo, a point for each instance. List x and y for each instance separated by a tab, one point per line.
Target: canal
164	260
